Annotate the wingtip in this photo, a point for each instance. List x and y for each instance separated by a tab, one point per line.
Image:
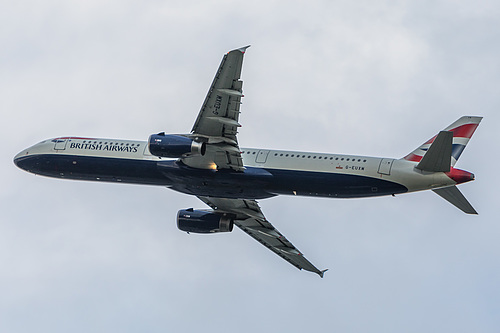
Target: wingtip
243	49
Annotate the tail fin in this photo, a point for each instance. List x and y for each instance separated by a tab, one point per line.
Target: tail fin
462	130
440	154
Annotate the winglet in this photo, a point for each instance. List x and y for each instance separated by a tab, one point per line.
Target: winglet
243	49
321	273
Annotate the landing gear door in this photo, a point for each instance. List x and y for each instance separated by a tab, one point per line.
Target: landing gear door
262	156
60	144
385	166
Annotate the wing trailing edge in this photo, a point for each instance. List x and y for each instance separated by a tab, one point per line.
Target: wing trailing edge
251	220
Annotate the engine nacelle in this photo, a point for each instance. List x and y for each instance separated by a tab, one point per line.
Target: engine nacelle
174	146
204	222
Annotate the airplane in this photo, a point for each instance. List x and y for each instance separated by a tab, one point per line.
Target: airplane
209	163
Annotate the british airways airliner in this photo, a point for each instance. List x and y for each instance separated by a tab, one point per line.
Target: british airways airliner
209	163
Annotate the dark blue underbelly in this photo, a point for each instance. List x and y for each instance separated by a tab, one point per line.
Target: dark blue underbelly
324	184
94	168
253	183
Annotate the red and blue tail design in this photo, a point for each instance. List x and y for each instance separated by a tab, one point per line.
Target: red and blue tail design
462	130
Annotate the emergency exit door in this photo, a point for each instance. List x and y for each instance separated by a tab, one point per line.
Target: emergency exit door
60	144
385	166
262	156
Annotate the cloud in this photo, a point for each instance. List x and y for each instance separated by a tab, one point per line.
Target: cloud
343	77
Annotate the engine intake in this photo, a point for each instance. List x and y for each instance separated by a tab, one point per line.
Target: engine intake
204	222
175	146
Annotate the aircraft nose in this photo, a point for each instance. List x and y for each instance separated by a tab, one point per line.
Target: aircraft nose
19	158
19	155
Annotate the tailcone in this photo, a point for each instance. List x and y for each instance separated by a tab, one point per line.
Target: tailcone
460	176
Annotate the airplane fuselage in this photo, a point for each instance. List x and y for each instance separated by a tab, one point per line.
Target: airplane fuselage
267	172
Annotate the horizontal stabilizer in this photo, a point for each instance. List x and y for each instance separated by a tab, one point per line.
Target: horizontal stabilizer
453	195
438	157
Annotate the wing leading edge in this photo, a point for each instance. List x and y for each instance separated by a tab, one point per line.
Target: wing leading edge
250	219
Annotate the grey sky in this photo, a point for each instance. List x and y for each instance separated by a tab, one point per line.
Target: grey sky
333	76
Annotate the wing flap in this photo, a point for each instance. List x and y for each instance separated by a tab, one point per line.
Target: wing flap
217	122
225	121
278	244
251	220
223	99
232	92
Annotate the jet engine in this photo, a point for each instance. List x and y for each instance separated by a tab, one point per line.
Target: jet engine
204	222
175	146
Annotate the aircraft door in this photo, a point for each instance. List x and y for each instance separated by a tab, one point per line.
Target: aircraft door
262	156
60	144
385	166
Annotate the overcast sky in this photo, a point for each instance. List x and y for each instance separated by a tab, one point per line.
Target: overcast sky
361	77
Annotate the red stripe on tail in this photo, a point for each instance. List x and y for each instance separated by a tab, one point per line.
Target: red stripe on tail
464	131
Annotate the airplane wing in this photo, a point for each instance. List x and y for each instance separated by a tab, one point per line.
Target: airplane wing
250	219
217	122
